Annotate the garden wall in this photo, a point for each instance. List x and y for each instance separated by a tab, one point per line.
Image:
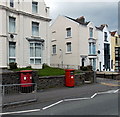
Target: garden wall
47	82
115	76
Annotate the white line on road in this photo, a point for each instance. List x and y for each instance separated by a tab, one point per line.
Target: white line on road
52	105
27	111
93	95
65	100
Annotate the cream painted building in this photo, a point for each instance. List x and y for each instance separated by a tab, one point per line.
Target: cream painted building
115	51
24	33
73	42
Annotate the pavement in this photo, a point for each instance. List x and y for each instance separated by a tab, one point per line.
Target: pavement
49	96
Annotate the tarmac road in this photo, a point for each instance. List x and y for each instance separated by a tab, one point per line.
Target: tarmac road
106	104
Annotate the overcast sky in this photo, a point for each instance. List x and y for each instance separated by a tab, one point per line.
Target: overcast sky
98	12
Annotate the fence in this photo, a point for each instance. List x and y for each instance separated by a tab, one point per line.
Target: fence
18	93
65	66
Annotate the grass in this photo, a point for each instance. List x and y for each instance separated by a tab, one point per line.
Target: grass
47	71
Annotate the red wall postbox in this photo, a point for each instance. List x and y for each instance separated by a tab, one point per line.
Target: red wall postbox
26	78
69	78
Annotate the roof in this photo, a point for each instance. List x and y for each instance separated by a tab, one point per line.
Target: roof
113	33
80	20
102	27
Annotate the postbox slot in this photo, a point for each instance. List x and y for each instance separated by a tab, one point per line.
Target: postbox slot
71	72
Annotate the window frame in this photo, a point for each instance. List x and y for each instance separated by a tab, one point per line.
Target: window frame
12	3
13	23
105	36
91	32
37	27
68	32
68	48
12	57
54	49
34	6
34	57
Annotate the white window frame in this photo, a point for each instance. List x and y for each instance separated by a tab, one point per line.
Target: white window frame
34	58
54	49
12	21
12	57
91	32
35	24
67	47
34	6
91	48
11	3
68	30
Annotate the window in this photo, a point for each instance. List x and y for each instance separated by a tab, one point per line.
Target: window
12	48
11	3
68	32
92	48
69	47
35	53
12	24
116	40
93	63
54	49
35	29
91	32
105	36
35	7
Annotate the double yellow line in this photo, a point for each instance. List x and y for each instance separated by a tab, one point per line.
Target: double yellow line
110	84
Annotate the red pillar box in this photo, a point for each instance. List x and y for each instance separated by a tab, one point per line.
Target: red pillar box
69	78
26	78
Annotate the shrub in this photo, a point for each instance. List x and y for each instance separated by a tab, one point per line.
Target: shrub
13	65
89	68
29	67
44	66
86	68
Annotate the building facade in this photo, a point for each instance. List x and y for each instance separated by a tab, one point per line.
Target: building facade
104	48
24	33
74	42
115	51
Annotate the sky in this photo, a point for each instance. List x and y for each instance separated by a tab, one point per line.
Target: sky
97	11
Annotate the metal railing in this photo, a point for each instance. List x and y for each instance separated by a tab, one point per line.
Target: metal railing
18	93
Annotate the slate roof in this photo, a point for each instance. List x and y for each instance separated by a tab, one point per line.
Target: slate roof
78	20
113	33
101	27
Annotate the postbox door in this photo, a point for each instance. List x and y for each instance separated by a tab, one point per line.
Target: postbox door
25	78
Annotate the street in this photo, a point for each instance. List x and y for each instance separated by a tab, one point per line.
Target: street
92	99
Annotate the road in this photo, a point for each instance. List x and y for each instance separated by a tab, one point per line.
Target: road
92	99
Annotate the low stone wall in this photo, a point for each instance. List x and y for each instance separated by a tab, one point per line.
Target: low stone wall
47	82
115	76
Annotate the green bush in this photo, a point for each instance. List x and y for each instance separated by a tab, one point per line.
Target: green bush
45	66
86	68
13	65
29	67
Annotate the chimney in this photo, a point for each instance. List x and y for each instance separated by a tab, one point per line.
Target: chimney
81	19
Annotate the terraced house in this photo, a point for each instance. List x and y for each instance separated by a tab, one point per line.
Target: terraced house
104	48
24	33
115	51
73	42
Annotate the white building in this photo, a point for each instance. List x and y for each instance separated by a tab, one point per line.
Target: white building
24	33
73	42
104	48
